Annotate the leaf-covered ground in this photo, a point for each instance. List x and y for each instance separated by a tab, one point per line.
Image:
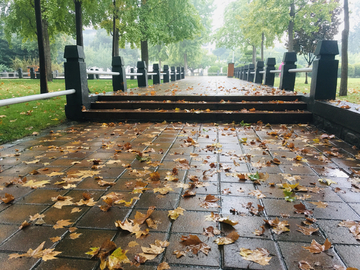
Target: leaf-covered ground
177	196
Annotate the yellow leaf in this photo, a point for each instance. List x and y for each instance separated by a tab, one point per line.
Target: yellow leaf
174	214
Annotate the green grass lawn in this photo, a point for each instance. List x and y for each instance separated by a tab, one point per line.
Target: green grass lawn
19	120
353	88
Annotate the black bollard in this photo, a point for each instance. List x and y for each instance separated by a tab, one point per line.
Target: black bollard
32	73
132	70
119	81
269	77
325	69
166	77
250	76
76	78
287	79
245	73
143	79
182	73
173	74
20	73
258	75
156	78
178	75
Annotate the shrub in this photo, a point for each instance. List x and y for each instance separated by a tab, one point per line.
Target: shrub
4	68
213	69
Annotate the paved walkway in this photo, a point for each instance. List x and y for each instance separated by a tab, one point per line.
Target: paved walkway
75	169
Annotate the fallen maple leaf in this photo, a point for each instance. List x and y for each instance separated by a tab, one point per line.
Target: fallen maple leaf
211	231
278	226
259	255
227	221
301	209
75	235
62	223
46	254
194	244
163	266
36	184
140	217
155	176
164	190
320	204
8	198
307	230
24	224
315	247
229	239
304	265
257	193
174	214
258	232
55	239
210	201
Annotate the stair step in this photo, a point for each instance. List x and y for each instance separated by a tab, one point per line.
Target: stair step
198	98
273	117
153	105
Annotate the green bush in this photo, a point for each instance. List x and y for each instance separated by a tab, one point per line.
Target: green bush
357	70
224	69
4	68
213	69
351	71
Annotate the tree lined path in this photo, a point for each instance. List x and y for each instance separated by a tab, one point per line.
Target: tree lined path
179	195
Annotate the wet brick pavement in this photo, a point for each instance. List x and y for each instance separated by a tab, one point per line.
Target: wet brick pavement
217	155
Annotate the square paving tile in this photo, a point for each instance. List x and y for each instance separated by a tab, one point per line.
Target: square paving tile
212	259
18	264
17	213
192	222
274	207
167	201
293	253
233	259
336	234
42	196
237	203
6	231
349	254
53	215
31	237
334	210
124	238
68	264
78	247
246	226
160	217
193	203
96	218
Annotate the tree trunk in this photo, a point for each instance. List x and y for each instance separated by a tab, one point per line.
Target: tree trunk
262	46
43	82
47	49
344	51
115	47
306	78
291	28
145	52
254	55
78	24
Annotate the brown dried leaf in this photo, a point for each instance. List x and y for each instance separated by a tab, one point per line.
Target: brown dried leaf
194	244
62	223
211	231
301	209
258	232
320	204
259	255
24	224
315	247
8	198
75	235
304	265
229	239
307	230
140	217
163	266
55	239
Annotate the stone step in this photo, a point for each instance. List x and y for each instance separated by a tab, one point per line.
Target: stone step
186	105
285	117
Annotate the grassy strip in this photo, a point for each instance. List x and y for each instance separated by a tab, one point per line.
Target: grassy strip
19	120
353	88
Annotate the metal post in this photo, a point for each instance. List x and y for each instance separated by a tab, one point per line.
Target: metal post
32	73
173	74
324	72
269	77
166	77
178	75
246	69
287	79
182	73
119	81
132	77
250	76
20	72
258	75
75	78
143	79
156	78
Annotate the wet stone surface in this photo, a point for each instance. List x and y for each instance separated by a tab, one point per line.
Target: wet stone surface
76	165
